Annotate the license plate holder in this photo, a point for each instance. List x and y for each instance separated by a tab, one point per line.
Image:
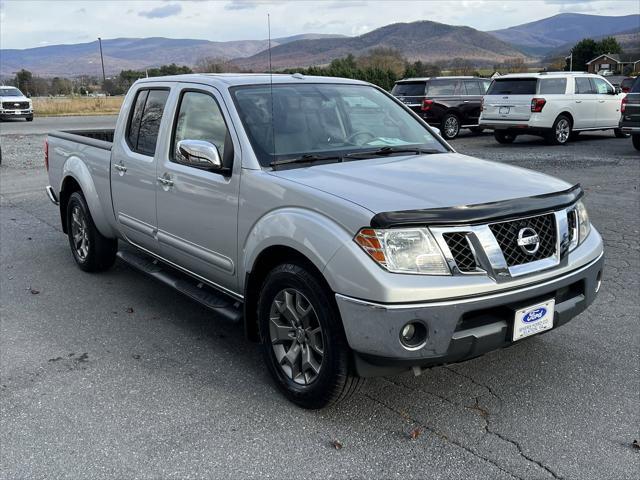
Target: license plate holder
533	319
505	110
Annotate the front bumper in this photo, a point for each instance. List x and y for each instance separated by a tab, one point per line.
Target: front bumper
6	114
459	329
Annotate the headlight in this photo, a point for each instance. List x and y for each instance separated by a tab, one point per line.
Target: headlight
584	225
406	250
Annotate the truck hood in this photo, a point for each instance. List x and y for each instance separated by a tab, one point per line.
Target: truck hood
423	181
14	99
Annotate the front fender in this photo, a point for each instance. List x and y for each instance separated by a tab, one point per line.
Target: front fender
100	209
312	234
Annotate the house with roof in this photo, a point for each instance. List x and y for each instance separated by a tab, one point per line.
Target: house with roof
619	63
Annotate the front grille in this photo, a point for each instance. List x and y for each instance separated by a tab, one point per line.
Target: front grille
506	234
458	243
15	105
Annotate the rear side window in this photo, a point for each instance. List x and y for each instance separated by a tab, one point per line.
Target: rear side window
142	132
408	89
199	118
472	87
636	86
442	87
583	85
552	86
513	86
485	85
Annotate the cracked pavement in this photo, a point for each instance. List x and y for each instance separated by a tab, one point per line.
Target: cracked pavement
116	376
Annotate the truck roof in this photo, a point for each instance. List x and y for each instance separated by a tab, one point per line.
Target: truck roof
237	79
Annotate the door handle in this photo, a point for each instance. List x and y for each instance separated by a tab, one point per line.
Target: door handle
120	167
600	101
578	101
465	101
165	181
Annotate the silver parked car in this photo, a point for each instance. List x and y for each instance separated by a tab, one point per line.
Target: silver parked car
348	238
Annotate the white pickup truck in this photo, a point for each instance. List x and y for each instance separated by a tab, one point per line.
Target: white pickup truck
348	238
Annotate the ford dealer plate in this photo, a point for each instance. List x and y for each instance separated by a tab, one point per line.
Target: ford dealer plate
534	319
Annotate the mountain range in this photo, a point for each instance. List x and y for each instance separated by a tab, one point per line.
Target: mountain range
422	40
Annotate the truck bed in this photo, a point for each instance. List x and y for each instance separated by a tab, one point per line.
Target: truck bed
101	138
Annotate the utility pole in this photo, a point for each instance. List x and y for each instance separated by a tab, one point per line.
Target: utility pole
104	78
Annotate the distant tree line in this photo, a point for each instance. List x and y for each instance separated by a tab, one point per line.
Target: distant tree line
587	49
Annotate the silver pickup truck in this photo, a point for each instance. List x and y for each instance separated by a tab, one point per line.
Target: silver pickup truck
346	236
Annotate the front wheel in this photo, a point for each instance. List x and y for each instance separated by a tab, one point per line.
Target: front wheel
450	126
504	137
30	119
560	132
636	141
303	343
619	133
91	250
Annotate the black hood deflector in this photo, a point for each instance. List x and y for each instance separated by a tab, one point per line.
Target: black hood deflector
481	213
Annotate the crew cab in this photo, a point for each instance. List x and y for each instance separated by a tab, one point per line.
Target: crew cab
14	104
449	103
630	113
328	219
555	105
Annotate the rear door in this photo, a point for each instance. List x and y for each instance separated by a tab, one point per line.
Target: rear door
584	103
411	93
198	209
608	103
509	99
473	91
133	167
445	94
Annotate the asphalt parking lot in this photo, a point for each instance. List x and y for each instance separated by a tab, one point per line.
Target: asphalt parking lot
115	376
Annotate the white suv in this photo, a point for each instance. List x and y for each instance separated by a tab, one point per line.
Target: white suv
555	105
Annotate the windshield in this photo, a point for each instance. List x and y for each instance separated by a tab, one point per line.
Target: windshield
10	92
408	89
513	86
322	119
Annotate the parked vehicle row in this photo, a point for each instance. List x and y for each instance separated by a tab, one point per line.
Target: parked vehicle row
14	104
348	238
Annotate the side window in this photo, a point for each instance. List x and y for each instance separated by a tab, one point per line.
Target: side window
485	86
602	86
472	87
552	86
134	122
150	122
583	85
442	87
199	118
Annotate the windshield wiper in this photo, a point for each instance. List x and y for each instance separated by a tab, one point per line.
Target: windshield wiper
307	158
391	150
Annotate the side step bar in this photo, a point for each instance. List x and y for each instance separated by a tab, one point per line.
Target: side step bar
223	305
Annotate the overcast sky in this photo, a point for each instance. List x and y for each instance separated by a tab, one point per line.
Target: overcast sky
26	23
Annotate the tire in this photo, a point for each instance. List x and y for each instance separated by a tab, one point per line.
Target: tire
29	119
327	378
560	132
504	137
477	129
619	133
91	250
450	126
635	139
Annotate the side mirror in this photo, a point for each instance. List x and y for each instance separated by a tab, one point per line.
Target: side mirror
199	154
617	90
437	130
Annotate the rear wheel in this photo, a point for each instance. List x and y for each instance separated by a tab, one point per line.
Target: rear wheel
619	133
636	141
303	342
450	126
92	251
560	132
504	137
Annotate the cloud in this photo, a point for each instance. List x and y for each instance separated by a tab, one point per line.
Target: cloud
162	12
240	5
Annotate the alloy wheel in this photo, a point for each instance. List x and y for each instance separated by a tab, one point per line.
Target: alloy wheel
451	127
296	336
563	130
79	233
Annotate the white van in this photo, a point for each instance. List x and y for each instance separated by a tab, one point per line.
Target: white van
555	105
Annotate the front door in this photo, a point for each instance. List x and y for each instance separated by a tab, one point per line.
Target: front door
198	209
608	110
133	168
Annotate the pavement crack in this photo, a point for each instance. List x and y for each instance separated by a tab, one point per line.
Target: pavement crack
442	436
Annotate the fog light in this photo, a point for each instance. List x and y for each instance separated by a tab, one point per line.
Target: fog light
413	335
